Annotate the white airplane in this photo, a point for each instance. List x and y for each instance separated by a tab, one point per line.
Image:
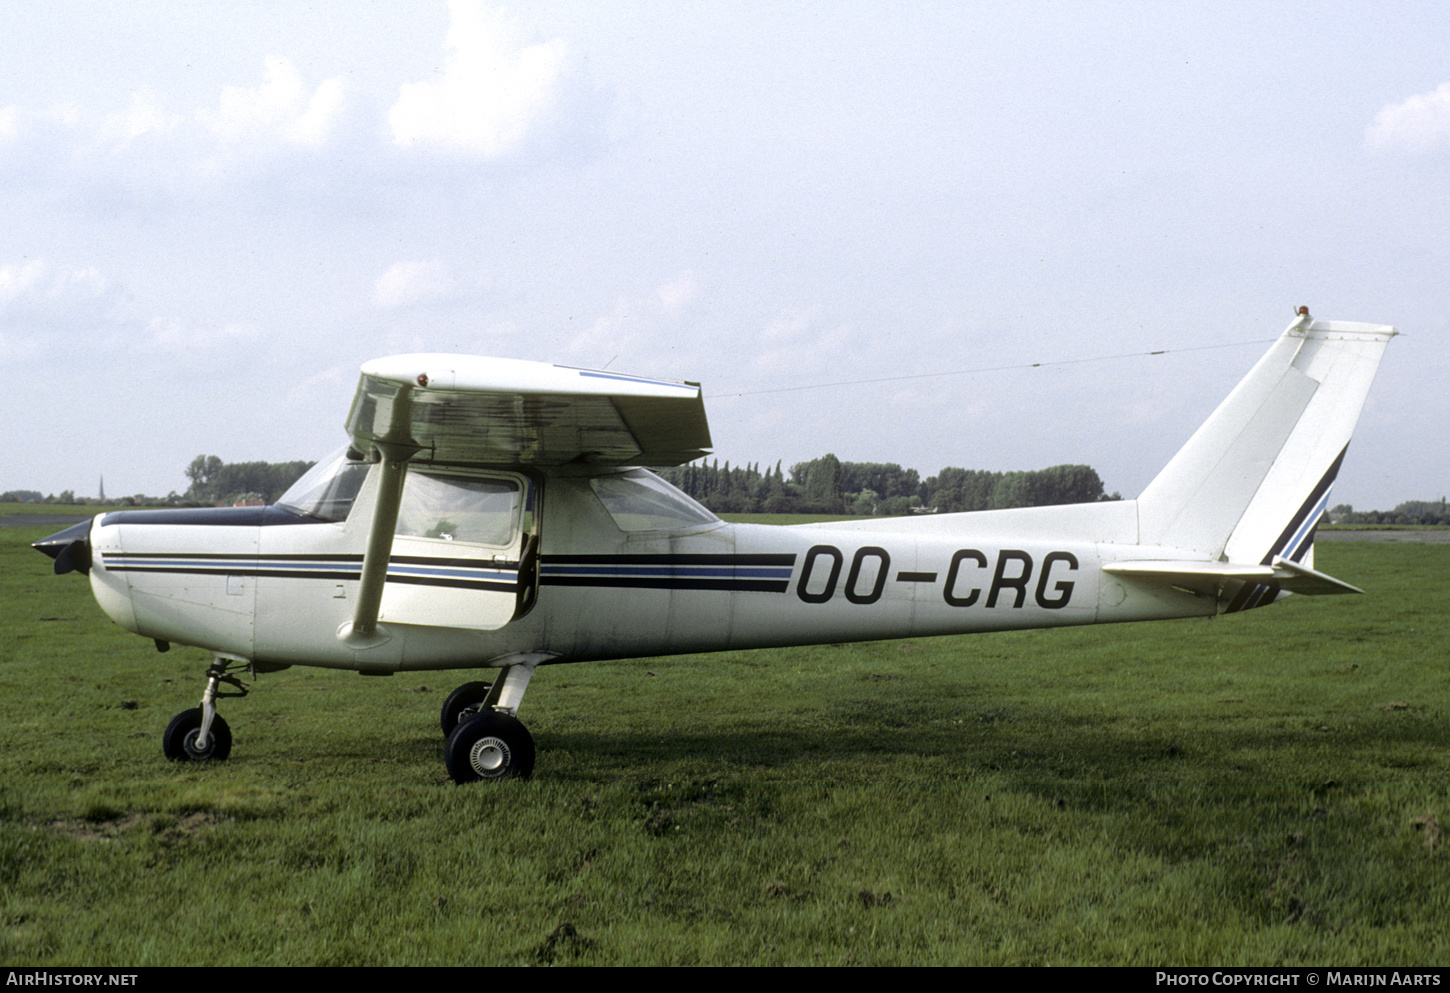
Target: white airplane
486	515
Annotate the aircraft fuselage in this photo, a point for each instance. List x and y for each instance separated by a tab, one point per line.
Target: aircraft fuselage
274	588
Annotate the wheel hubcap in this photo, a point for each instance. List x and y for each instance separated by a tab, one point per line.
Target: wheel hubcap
489	757
189	743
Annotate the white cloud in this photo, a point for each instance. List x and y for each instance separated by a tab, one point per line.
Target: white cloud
495	88
644	332
281	107
679	293
17	280
1419	124
143	116
169	335
795	342
37	288
412	282
78	310
314	127
610	336
337	380
498	92
129	153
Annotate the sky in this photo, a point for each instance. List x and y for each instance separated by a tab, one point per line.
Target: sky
928	233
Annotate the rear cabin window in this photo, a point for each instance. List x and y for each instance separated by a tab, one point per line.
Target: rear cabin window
638	500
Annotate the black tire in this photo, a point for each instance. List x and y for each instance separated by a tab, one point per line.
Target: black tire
469	696
489	747
179	741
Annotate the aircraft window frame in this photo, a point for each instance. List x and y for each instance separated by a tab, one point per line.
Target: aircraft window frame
635	498
329	489
429	498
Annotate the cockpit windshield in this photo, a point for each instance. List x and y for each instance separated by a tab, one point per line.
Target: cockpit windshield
328	489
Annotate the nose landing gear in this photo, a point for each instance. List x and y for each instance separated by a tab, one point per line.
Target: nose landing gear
200	734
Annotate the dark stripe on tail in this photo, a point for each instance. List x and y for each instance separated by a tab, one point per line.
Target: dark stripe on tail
1260	594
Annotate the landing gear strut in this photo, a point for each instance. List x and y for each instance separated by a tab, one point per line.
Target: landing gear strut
200	734
486	742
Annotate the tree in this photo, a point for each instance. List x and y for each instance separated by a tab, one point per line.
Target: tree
865	503
820	484
202	472
779	497
954	490
215	481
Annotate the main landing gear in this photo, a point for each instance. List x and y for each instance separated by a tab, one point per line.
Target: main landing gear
200	734
485	740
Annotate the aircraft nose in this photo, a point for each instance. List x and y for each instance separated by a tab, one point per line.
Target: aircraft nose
70	548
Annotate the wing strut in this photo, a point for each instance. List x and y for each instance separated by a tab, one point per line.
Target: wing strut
393	457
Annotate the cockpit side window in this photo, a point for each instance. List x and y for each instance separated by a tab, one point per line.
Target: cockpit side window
480	510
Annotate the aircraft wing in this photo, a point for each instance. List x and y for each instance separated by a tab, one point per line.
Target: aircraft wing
469	410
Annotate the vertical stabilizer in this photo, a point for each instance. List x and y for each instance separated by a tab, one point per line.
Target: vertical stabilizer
1251	483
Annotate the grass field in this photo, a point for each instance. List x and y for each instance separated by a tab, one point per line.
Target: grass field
1265	788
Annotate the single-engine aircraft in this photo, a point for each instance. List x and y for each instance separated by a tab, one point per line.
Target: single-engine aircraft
492	514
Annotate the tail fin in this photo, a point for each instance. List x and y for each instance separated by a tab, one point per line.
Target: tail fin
1252	482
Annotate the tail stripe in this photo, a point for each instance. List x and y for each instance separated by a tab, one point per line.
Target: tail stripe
1303	524
1294	542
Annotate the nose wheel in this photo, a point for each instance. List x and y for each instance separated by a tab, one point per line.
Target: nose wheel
183	741
200	734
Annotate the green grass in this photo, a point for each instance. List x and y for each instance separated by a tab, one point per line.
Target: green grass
1265	788
1383	527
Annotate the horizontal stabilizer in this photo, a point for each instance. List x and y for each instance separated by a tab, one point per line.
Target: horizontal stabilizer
1302	579
1288	576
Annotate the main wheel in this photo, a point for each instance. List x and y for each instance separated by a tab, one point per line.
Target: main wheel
490	746
467	697
179	741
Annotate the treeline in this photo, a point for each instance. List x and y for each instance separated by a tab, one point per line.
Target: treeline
213	482
69	498
829	486
821	486
1420	512
216	482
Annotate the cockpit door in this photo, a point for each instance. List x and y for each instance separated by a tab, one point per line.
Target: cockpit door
464	551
